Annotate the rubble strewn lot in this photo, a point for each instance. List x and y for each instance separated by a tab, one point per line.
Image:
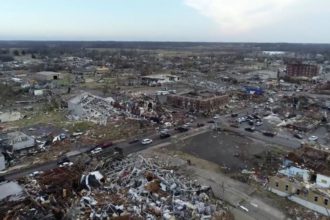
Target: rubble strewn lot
250	122
232	152
132	188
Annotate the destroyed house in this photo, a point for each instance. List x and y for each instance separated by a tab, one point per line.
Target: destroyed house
17	141
305	179
92	108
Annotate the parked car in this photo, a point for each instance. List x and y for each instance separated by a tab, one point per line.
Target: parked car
313	138
299	136
250	129
96	150
242	119
216	116
63	160
134	141
168	124
268	133
66	164
251	122
200	125
250	117
182	129
2	179
234	115
105	144
211	121
164	131
36	173
187	125
259	123
164	135
146	141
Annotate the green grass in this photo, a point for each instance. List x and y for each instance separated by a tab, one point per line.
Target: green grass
81	126
56	118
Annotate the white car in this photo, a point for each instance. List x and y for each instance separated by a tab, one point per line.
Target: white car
66	164
313	138
165	130
216	117
187	125
36	173
96	150
167	124
146	141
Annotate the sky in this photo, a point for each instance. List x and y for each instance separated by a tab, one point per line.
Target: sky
296	21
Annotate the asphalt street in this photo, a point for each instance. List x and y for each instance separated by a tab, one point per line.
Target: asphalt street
136	147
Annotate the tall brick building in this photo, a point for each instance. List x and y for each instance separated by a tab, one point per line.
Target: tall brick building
302	70
201	102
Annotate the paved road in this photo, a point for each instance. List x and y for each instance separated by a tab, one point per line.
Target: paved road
124	145
281	140
131	148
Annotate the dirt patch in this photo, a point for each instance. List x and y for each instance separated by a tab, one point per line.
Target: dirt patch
228	150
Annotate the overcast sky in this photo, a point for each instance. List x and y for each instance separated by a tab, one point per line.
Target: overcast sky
306	21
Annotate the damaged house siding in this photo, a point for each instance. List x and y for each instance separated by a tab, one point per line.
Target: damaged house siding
308	198
20	141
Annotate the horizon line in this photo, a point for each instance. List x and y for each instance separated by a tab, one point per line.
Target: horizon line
161	41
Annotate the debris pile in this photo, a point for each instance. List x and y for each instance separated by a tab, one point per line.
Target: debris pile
91	107
132	188
141	188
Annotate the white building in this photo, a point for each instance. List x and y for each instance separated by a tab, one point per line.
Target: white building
159	79
322	181
48	76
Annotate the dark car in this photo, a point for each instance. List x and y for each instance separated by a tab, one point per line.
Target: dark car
250	129
2	178
63	160
250	117
105	144
251	122
299	136
164	135
268	134
234	115
134	141
211	121
182	129
200	125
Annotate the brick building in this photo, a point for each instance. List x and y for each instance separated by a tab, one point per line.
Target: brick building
201	102
302	70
